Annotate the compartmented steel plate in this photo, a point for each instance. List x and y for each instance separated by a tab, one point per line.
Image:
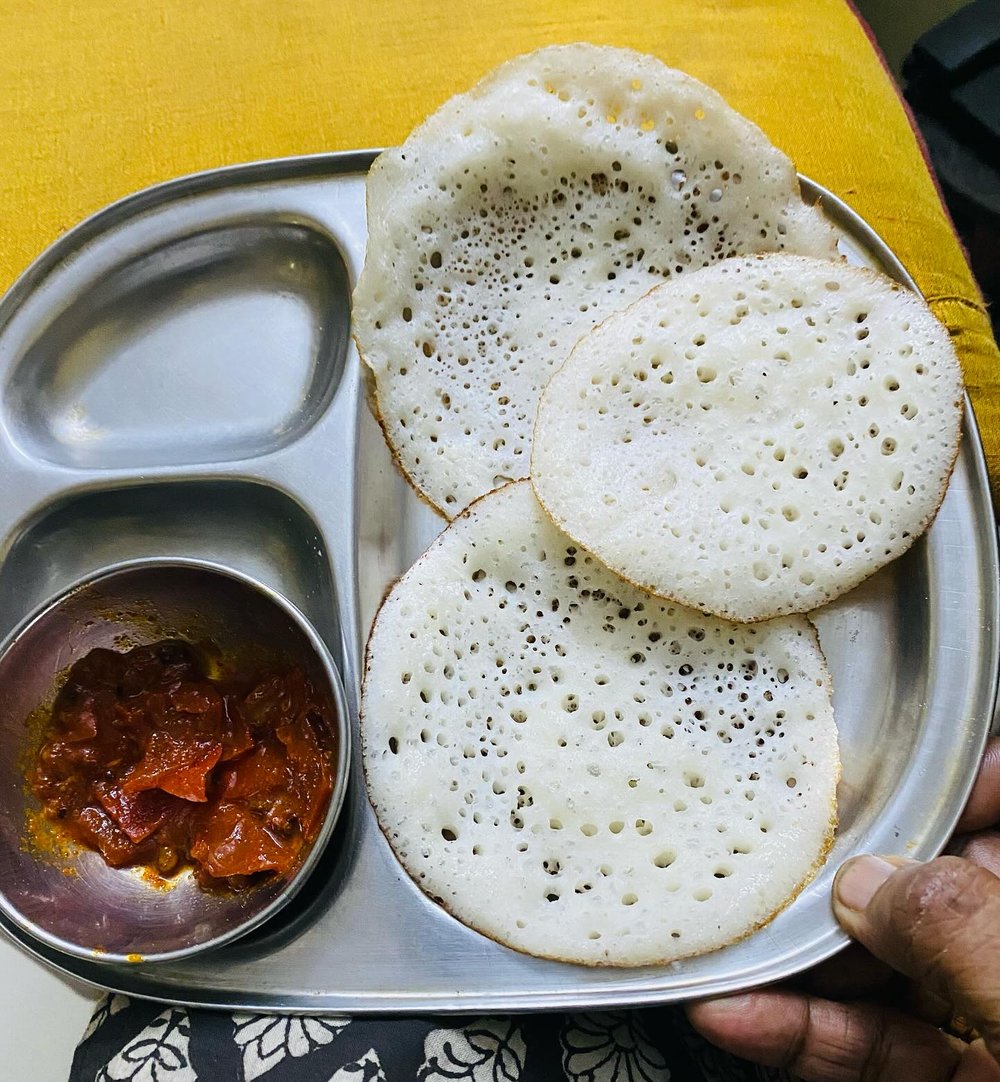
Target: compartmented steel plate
177	379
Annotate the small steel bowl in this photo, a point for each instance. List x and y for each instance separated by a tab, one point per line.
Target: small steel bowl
73	901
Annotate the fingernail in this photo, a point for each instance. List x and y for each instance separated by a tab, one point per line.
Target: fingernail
859	879
728	1005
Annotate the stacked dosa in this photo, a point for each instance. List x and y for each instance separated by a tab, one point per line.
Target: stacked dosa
755	438
581	771
562	187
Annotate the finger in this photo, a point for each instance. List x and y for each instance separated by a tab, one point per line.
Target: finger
977	1065
983	806
854	973
818	1040
938	923
982	849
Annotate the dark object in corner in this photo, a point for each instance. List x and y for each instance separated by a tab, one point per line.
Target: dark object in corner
952	82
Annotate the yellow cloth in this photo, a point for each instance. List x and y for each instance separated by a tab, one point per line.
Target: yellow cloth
101	97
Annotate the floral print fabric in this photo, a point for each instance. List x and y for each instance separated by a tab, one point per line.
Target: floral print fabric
135	1041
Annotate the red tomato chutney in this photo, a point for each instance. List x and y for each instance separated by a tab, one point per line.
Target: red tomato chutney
152	763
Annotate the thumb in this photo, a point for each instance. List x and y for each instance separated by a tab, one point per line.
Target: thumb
937	923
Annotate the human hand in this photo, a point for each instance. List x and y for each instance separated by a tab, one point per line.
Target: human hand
855	1019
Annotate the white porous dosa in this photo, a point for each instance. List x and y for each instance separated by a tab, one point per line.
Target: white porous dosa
756	438
581	771
520	214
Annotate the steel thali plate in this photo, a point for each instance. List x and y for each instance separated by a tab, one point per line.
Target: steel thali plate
177	379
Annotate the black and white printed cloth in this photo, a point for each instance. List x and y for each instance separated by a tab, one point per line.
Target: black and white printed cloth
137	1041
